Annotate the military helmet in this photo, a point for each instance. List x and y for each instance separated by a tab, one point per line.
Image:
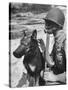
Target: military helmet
56	15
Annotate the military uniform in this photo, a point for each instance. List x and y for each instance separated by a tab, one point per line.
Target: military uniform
58	53
56	60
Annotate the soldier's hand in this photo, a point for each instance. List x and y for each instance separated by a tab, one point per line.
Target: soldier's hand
50	76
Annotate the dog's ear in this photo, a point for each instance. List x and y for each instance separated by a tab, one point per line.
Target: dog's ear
34	34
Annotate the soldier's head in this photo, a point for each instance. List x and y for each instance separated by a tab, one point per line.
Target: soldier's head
54	20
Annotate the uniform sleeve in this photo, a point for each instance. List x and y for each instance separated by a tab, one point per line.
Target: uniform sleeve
60	45
59	54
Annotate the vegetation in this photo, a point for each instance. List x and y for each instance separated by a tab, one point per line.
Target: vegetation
24	7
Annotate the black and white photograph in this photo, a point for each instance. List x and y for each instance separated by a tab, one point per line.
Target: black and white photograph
37	44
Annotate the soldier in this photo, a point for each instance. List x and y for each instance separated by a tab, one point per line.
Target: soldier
54	22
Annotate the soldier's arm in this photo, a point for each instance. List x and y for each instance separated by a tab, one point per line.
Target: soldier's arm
50	76
61	77
60	60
